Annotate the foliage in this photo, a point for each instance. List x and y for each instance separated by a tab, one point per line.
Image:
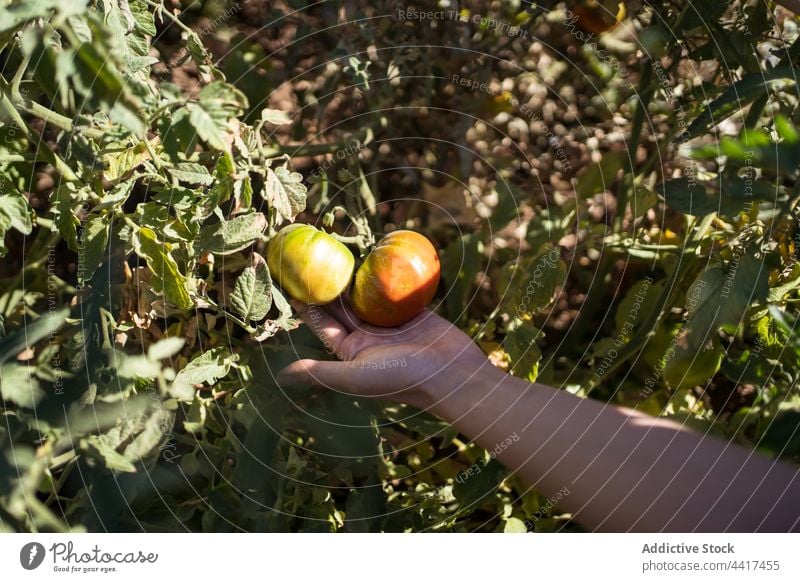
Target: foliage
586	196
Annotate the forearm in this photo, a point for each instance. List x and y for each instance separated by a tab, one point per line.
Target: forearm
624	470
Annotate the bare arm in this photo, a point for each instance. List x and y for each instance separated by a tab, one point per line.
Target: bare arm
624	471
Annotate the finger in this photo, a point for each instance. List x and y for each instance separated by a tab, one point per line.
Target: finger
326	327
340	309
333	375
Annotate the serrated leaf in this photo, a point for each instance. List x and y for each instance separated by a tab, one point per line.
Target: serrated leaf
208	368
531	283
217	103
167	278
231	236
94	242
152	432
523	351
15	208
252	293
117	165
285	193
19	385
192	173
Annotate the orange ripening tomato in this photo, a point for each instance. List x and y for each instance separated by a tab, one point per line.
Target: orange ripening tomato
595	18
397	279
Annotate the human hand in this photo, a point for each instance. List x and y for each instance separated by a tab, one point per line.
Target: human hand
417	363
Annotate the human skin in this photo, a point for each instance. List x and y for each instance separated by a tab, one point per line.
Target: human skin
624	470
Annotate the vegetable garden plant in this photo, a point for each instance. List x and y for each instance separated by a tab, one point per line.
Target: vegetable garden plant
143	318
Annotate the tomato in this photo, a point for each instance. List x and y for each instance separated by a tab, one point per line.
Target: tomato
672	353
596	17
310	265
397	279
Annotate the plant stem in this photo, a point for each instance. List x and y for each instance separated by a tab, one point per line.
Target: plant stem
645	92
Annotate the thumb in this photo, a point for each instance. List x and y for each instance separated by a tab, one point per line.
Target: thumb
335	375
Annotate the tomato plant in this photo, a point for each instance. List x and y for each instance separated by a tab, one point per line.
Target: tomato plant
310	264
397	279
593	204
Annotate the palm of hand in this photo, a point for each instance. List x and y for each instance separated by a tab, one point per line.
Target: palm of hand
382	362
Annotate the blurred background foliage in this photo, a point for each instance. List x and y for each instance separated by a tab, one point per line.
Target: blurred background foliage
612	187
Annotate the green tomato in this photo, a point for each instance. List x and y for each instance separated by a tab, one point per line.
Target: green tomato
309	264
654	40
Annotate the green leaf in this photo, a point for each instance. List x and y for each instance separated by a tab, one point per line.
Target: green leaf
524	353
18	384
738	96
217	104
643	200
515	525
231	236
208	368
275	117
530	284
252	293
167	278
509	200
365	509
113	460
285	193
117	165
165	348
688	197
477	484
99	79
178	135
15	208
152	431
64	217
600	177
722	294
460	263
192	173
95	240
31	333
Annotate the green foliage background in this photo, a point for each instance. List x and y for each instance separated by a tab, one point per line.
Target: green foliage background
615	218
